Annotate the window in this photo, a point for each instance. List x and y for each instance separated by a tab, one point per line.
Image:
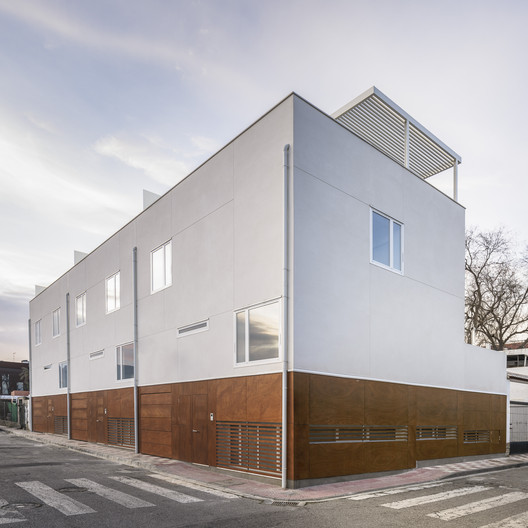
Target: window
56	322
194	328
161	267
63	375
125	361
386	242
113	293
80	309
257	333
97	355
38	335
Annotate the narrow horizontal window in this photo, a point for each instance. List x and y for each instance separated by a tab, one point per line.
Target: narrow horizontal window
97	355
194	328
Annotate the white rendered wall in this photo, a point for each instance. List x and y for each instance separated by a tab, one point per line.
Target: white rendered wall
225	222
353	318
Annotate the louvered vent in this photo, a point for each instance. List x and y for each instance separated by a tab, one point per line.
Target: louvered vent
326	434
60	425
436	432
121	432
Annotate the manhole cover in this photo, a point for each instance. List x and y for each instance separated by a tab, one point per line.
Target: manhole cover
21	506
72	489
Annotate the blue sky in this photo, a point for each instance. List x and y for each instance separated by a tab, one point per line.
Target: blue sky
101	99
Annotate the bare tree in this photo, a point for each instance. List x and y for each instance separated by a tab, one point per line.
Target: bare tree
496	290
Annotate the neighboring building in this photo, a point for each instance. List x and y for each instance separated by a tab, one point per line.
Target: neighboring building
311	245
11	376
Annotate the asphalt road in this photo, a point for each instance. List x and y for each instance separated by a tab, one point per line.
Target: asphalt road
48	486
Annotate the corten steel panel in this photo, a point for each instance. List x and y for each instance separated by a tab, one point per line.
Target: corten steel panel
61	405
264	398
336	400
155	424
97	412
231	400
194	387
435	406
332	460
155	389
164	398
386	456
433	449
474	449
298	397
498	403
156	411
474	401
476	419
199	428
386	403
298	451
40	409
157	449
156	437
211	434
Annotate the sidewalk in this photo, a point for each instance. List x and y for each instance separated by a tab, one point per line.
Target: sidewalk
233	482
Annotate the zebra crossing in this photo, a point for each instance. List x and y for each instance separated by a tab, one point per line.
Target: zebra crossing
474	505
67	506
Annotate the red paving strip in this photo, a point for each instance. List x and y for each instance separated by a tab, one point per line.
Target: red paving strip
233	482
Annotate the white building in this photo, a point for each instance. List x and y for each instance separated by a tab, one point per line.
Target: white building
309	245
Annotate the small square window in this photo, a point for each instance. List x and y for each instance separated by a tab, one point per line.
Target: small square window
161	267
56	322
80	309
257	333
386	242
113	292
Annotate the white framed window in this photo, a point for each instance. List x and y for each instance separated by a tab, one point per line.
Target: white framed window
63	375
56	323
257	333
38	334
194	328
386	241
161	267
113	292
97	355
80	309
125	361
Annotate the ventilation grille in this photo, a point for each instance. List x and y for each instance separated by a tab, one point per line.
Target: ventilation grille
249	446
329	434
476	437
121	431
193	328
60	425
436	432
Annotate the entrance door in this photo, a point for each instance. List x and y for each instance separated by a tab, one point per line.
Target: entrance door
100	418
199	428
50	423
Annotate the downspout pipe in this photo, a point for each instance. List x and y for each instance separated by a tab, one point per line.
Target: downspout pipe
285	286
30	409
136	407
68	369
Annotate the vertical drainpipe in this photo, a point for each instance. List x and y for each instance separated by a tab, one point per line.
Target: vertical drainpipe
30	406
68	369
136	409
285	286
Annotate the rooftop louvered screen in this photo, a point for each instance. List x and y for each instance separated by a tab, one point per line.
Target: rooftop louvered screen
383	124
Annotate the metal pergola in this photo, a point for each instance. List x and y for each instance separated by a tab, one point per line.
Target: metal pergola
382	123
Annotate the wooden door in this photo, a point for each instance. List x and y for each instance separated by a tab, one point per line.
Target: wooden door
50	422
199	428
100	417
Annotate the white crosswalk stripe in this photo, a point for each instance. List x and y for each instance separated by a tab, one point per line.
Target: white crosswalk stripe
158	490
197	487
54	499
516	521
126	500
393	491
426	499
474	507
8	517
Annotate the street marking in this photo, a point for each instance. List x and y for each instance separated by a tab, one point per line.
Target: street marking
426	499
126	500
516	521
158	490
474	507
54	499
5	514
197	487
393	491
